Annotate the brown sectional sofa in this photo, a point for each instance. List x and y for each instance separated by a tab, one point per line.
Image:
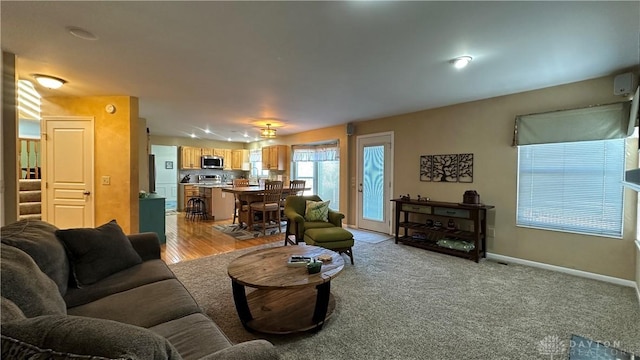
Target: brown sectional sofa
61	299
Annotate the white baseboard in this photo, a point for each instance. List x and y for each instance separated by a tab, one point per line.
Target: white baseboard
585	274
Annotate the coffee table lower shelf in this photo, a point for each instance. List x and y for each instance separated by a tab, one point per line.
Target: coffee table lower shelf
284	311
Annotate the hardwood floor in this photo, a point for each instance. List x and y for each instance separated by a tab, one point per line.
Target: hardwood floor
188	240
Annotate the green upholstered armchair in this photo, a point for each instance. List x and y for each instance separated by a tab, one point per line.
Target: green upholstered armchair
294	209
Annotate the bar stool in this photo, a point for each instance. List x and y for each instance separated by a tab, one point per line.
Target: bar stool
239	206
196	208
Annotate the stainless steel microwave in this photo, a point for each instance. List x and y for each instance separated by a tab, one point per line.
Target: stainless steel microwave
212	162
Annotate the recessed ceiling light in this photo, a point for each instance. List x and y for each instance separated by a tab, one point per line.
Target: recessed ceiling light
50	82
461	62
207	131
193	135
81	33
228	139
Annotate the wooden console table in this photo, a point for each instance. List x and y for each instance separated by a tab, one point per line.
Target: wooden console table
450	228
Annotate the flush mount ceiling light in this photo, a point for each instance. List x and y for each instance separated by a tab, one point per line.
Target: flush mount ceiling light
81	33
268	132
461	62
50	82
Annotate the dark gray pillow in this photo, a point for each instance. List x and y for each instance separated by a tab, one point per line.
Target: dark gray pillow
27	286
77	337
38	239
97	253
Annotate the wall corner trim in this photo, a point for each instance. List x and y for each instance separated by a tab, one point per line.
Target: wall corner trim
584	274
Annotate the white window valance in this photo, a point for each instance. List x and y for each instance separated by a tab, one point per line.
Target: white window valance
599	122
322	152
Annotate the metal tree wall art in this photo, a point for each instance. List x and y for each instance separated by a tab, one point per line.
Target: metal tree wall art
447	168
426	167
465	168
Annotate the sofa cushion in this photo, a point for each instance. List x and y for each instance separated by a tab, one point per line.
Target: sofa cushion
38	239
146	306
97	253
141	274
194	336
317	211
26	285
56	337
9	311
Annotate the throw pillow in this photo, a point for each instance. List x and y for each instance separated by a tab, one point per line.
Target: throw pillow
38	239
76	337
317	211
97	253
27	286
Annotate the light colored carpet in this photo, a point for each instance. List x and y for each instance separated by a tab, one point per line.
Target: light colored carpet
370	237
400	302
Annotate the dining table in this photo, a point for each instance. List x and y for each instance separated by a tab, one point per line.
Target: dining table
249	194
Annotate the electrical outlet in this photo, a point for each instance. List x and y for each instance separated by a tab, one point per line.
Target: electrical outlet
106	180
491	232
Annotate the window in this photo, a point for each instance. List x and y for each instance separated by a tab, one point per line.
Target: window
319	165
255	159
572	187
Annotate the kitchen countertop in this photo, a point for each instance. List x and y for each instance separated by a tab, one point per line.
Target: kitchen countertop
213	185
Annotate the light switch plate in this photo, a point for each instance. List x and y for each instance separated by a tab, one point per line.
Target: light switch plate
106	180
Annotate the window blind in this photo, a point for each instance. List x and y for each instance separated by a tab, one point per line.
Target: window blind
599	122
573	187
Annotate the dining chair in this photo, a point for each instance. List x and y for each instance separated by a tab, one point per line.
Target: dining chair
297	187
238	206
269	205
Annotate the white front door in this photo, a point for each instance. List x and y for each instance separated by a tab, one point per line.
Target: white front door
374	182
68	171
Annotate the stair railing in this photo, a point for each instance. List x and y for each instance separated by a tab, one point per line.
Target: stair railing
29	158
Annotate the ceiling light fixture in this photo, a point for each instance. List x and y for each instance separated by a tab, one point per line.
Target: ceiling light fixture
461	62
81	33
268	132
50	82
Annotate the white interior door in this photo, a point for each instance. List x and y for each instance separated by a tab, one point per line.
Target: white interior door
374	182
68	171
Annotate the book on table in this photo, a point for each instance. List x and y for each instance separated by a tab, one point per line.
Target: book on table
299	261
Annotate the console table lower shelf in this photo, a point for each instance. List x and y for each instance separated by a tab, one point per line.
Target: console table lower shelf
429	245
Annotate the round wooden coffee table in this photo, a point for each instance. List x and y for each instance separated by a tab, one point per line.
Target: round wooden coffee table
282	301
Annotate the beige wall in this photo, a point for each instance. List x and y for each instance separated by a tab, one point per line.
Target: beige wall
485	128
116	153
204	143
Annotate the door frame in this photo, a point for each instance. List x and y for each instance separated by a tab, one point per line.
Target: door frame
389	206
44	140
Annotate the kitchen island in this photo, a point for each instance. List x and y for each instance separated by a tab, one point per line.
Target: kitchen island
220	205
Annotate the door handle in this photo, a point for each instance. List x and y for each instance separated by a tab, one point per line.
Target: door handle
87	192
360	188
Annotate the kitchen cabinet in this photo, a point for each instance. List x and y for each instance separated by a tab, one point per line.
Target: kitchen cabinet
275	157
239	157
218	152
227	156
187	193
190	157
207	151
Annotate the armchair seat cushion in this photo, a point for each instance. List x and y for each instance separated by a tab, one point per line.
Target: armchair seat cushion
325	237
308	225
